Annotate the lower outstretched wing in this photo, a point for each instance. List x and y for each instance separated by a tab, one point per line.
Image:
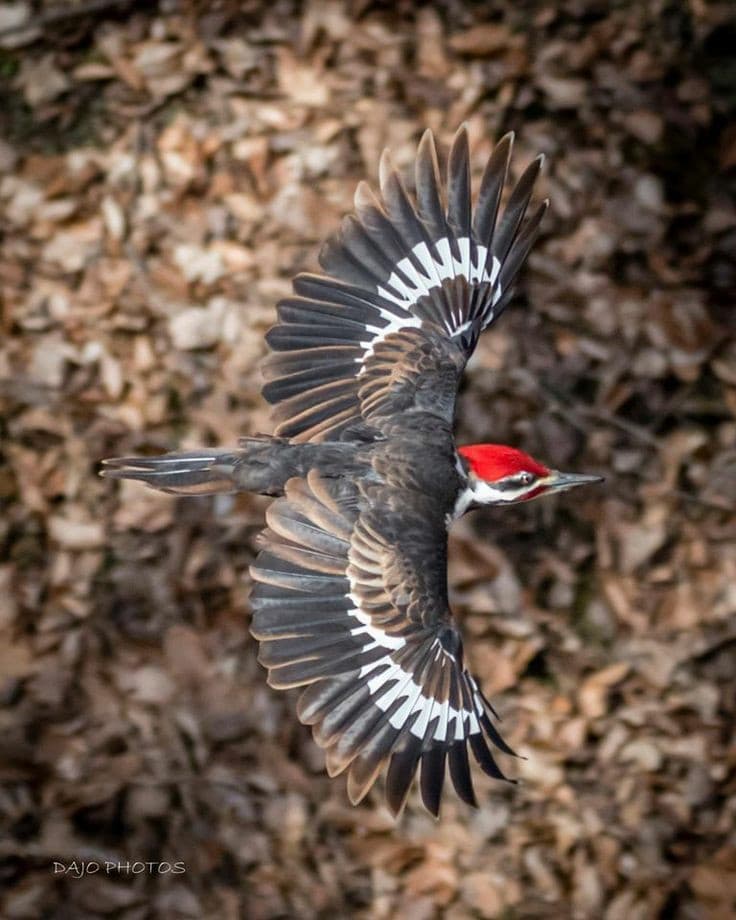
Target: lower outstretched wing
350	602
411	283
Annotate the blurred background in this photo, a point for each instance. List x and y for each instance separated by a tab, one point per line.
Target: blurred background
165	168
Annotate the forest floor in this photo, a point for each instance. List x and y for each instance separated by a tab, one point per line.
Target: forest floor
165	169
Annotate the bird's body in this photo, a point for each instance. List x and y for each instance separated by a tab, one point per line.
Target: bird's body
350	598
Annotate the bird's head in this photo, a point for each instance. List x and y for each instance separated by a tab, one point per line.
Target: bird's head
498	474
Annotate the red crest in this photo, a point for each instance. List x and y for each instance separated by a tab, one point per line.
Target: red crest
492	462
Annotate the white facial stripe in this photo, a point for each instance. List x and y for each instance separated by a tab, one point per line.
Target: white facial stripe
464	500
483	493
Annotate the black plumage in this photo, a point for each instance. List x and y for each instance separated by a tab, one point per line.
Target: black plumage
413	264
350	599
394	658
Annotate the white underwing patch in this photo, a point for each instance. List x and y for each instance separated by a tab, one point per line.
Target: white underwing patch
453	724
406	285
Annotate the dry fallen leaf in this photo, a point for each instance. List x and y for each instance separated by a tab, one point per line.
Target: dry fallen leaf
165	169
593	693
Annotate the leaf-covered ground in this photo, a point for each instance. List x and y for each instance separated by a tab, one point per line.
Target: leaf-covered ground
164	170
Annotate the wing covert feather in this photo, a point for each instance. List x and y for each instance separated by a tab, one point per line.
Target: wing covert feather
350	603
402	268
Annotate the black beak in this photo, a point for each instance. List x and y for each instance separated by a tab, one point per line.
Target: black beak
562	481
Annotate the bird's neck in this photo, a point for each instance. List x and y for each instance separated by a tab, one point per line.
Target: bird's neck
475	493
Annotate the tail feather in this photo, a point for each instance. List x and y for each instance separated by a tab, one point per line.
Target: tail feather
258	464
196	472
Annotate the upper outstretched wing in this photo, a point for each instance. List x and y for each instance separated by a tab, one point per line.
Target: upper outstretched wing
411	284
350	601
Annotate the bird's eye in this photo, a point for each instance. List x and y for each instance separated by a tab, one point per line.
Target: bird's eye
526	478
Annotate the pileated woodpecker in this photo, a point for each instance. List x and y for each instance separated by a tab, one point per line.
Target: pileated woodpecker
350	598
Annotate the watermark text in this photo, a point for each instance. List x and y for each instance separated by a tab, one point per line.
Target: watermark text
78	868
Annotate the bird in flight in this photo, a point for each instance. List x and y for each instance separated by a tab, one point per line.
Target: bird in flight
350	596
